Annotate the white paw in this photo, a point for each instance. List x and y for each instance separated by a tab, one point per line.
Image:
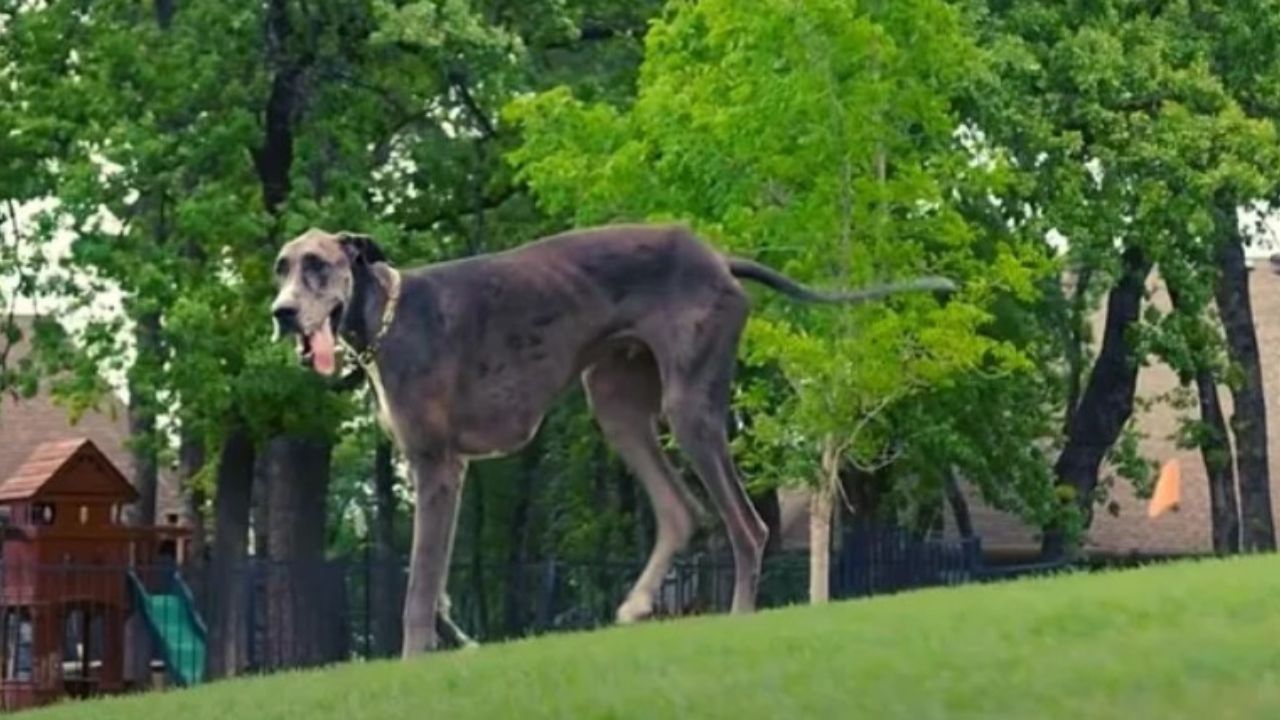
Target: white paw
634	610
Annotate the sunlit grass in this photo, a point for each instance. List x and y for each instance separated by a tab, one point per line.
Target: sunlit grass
1176	641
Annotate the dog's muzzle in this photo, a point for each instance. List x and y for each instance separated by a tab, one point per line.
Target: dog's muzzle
286	321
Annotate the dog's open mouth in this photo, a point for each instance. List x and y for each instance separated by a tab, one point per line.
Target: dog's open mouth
317	349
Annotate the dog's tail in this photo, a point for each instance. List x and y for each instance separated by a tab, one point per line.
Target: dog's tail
751	270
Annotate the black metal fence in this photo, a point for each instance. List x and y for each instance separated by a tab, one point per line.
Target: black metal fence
121	628
878	561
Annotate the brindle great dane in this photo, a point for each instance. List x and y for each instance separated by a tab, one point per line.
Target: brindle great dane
465	358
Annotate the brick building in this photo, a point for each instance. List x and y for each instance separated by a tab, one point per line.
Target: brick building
1123	528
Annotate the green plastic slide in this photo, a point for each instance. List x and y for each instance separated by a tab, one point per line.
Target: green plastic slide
177	627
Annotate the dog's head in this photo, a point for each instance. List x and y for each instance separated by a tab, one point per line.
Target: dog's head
316	276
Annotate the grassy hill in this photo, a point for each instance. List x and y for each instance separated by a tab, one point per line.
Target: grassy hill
1176	641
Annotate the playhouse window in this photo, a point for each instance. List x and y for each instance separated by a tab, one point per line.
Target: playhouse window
17	644
42	514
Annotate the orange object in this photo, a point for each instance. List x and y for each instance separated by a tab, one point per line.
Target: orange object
1167	493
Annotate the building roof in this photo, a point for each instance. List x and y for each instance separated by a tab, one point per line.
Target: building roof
45	471
29	422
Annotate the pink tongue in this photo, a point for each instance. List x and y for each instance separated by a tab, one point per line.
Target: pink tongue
322	350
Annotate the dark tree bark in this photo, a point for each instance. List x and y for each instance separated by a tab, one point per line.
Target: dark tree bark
1249	416
864	493
260	502
302	612
146	471
142	418
1106	403
1074	341
274	158
191	459
519	604
959	506
766	503
479	590
301	615
387	591
1215	449
164	13
228	599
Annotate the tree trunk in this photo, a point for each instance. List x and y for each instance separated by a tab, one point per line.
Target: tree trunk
821	512
142	439
191	459
303	608
1249	415
260	507
274	158
479	590
1073	336
767	505
959	506
142	416
519	600
1107	401
387	590
228	598
1215	449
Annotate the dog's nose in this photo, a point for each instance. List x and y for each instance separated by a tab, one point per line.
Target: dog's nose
286	317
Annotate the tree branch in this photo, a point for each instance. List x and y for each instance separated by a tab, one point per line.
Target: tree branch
596	32
458	80
401	108
24	283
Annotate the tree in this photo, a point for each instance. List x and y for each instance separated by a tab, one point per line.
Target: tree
1237	40
1129	141
180	172
809	137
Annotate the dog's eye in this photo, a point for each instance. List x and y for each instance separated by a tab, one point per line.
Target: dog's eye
315	268
282	267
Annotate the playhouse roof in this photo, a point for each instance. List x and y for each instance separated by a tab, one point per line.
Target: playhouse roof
46	472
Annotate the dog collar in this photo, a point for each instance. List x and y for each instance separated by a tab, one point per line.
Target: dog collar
365	358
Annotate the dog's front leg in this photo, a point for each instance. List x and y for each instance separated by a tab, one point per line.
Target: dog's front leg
437	479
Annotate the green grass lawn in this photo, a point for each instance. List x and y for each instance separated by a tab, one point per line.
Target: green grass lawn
1174	641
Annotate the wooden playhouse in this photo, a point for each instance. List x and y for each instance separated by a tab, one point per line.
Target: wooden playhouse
67	580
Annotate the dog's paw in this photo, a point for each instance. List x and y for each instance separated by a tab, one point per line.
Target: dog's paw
634	610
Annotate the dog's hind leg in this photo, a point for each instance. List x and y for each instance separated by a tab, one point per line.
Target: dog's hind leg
625	397
697	383
701	434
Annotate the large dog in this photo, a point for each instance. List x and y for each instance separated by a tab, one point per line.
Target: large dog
466	357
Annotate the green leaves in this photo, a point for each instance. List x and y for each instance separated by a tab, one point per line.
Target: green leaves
820	138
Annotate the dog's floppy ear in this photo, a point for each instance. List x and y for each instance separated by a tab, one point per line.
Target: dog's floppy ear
361	248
